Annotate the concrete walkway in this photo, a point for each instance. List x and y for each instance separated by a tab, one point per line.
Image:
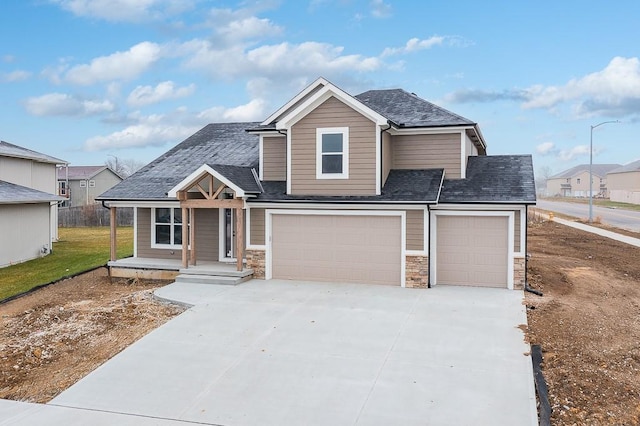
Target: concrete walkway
281	352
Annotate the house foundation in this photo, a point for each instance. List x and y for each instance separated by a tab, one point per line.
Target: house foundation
519	273
256	261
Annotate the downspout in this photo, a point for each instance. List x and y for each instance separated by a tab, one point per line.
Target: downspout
526	256
429	245
381	154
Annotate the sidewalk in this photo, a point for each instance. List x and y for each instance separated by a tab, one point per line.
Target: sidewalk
594	230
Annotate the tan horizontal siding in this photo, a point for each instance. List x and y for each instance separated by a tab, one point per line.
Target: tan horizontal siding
415	230
428	152
144	239
274	159
362	152
257	226
207	224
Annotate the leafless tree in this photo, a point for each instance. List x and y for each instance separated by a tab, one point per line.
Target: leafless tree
544	173
124	167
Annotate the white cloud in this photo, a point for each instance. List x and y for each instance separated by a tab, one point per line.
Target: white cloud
18	75
124	10
146	95
117	66
576	151
613	91
415	44
253	111
379	9
61	104
545	148
8	58
238	26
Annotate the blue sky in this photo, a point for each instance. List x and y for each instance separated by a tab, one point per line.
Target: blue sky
84	80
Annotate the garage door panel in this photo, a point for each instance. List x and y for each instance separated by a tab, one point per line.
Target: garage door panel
472	250
337	248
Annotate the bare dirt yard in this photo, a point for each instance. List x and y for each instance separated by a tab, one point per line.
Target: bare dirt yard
588	324
54	336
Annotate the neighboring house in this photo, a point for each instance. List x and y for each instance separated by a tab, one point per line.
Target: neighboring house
383	187
82	184
624	183
575	181
28	204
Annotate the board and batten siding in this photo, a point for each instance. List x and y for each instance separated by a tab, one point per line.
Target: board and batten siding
274	158
428	152
415	230
206	236
257	226
362	152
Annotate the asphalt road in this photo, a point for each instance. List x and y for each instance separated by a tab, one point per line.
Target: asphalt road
625	219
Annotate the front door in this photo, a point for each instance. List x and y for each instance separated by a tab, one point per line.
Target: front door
229	230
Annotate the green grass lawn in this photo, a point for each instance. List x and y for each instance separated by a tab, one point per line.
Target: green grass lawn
78	250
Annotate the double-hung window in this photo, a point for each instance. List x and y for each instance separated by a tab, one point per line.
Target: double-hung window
332	153
166	227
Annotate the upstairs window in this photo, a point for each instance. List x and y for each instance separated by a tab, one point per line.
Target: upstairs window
578	181
332	153
83	184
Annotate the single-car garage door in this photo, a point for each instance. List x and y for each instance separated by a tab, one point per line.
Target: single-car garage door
359	249
472	250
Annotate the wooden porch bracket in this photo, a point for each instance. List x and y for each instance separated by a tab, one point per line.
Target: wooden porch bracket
113	254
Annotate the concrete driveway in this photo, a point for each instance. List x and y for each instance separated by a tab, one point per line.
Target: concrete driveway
287	353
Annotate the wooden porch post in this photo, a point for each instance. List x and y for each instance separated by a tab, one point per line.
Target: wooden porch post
185	239
112	223
239	236
192	233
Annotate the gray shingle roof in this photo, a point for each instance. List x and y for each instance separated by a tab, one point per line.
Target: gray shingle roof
10	193
599	170
493	179
220	144
631	167
408	110
402	186
10	150
80	172
241	176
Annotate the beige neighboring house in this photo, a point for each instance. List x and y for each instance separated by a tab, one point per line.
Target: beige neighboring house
624	183
575	181
28	204
379	188
80	185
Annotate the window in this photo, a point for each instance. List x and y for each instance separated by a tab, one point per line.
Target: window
166	227
332	153
62	188
578	181
92	184
83	184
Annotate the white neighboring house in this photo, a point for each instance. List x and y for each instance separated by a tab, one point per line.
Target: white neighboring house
624	183
28	203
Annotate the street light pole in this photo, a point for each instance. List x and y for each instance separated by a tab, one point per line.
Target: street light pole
591	167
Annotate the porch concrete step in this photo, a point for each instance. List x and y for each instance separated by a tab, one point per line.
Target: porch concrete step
216	271
211	279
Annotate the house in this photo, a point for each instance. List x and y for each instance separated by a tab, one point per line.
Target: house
82	184
574	182
382	187
28	204
624	183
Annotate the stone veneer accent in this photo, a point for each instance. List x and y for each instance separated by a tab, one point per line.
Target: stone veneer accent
519	273
256	261
416	271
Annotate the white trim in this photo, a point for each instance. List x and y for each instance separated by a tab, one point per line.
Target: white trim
135	232
427	130
476	207
335	206
289	161
171	225
261	160
415	252
433	257
463	157
425	230
269	226
378	162
523	233
142	204
315	100
310	88
321	131
197	175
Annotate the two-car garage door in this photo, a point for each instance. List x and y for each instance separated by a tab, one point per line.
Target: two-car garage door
472	250
339	248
